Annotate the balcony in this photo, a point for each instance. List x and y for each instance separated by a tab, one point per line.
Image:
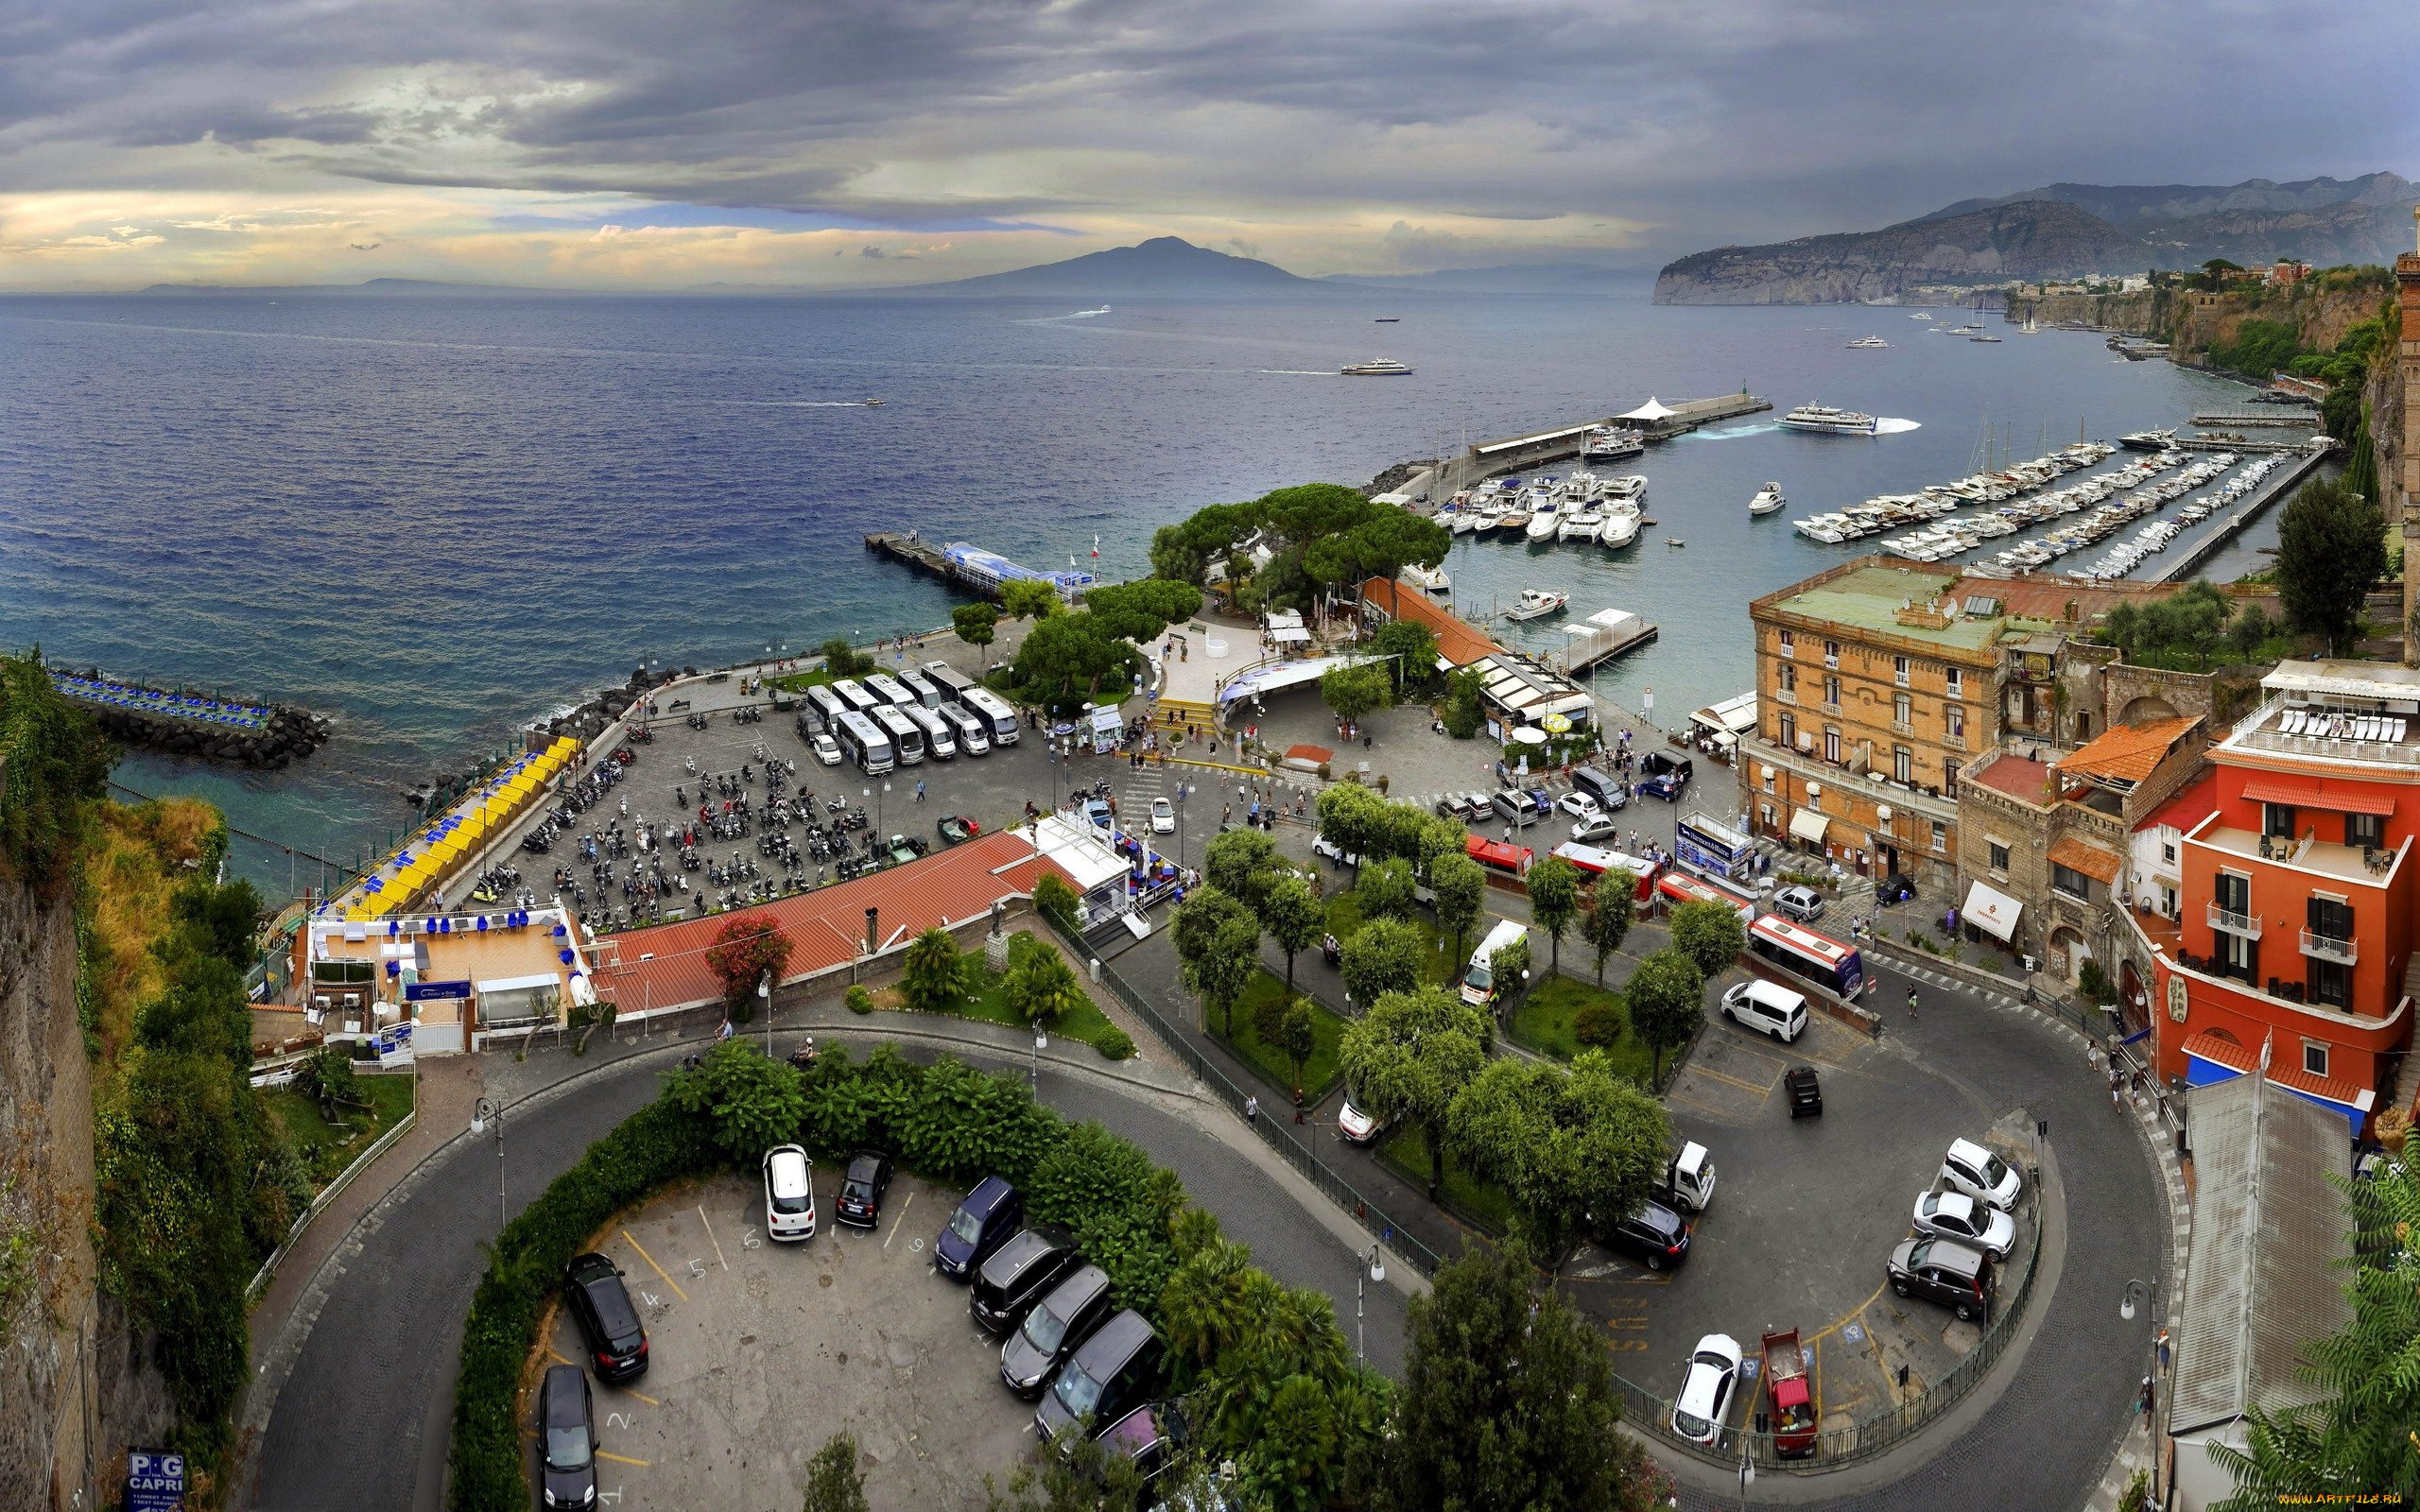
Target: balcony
2328	948
2247	925
2347	863
1784	695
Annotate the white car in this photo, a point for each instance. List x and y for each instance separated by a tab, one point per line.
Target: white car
1956	1215
1976	1172
1163	817
1704	1401
827	750
789	1194
1355	1126
1579	805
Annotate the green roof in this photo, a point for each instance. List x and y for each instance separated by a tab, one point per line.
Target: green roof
1870	597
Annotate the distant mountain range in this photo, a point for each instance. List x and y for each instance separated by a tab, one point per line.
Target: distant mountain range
2061	230
1163	265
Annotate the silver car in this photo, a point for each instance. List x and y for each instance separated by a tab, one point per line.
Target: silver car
1979	1225
1802	904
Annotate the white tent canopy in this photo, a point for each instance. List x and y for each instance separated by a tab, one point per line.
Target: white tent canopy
1993	911
1653	409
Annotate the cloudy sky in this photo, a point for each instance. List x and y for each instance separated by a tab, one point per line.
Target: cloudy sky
665	142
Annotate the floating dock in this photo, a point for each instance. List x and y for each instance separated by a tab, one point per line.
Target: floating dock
1601	637
971	567
2305	419
1486	459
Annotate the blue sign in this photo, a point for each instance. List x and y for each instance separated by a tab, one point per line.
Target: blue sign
155	1482
424	991
1712	847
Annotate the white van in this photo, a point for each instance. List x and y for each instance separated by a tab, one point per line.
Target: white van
971	737
1479	987
1758	1004
941	736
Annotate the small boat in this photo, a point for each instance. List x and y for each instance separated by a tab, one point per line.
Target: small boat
1767	499
1869	342
1513	521
873	403
1431	578
1389	319
1536	603
1980	337
1920	316
1374	367
1675	541
2031	326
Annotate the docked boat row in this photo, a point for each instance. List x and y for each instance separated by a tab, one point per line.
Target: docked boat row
1885	511
2127	555
1953	538
1581	506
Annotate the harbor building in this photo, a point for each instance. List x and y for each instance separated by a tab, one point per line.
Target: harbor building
2292	937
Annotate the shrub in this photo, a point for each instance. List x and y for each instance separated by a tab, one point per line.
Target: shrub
1113	1044
747	949
859	1000
1053	896
1600	1026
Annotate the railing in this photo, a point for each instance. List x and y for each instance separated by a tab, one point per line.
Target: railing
2328	948
1273	1132
1644	1412
2247	925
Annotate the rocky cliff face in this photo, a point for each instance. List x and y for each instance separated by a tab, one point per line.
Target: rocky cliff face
2033	240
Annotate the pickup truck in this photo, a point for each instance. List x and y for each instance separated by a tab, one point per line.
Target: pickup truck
1790	1392
1687	1180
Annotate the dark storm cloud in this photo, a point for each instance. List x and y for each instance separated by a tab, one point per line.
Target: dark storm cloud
1750	119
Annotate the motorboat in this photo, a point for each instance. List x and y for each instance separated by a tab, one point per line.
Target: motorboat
1515	519
1869	342
1612	441
1581	524
2149	440
1431	578
1375	367
1980	335
1824	420
1920	316
1631	488
1621	524
873	403
1767	499
1546	519
1536	603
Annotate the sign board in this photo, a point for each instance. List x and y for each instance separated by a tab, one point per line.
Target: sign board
394	1045
155	1481
426	991
1715	849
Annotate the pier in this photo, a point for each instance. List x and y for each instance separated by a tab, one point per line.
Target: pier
1486	459
2304	419
2275	485
970	567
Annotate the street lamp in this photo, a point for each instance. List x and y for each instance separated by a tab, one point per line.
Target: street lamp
765	996
2147	1291
484	1112
1376	1266
2134	1288
1041	1043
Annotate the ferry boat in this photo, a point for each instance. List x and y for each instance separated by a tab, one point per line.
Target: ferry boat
1374	367
1536	603
1612	441
1767	499
1869	342
1824	420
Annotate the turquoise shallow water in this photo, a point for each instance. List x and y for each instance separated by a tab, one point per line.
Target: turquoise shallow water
437	518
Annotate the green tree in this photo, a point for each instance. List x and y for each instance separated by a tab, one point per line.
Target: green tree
754	1101
1066	649
1464	714
1352	818
747	949
1206	910
1053	896
1029	598
843	660
1462	892
1413	646
1666	998
1386	889
1508	965
933	974
1561	1143
1410	1056
1353	691
1242	864
1384	955
976	624
1290	912
1554	900
2331	550
1710	936
1291	1025
1139	611
1214	1298
1508	1400
1043	987
1076	1473
833	1483
1608	923
1217	944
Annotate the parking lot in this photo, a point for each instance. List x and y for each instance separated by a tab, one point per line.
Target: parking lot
759	1352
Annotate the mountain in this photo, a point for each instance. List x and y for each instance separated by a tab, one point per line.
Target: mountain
1163	265
2061	230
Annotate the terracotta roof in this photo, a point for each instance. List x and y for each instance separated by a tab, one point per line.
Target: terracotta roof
2015	776
2309	793
2129	752
1309	753
2188	808
2077	855
827	927
2207	1046
1457	640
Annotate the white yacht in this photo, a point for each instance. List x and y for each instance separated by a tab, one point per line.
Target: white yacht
1767	499
1630	486
1537	602
1546	519
1828	421
1581	523
1621	524
1869	342
1612	441
1375	367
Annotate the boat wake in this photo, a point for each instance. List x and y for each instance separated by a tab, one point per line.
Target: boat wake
1054	319
1298	373
1892	427
793	403
1730	432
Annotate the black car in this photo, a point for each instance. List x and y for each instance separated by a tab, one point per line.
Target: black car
1017	1274
861	1190
1664	776
982	1223
600	1304
1111	1374
1654	1236
566	1439
1940	1271
1054	1328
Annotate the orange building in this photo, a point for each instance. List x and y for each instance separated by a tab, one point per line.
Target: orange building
2297	892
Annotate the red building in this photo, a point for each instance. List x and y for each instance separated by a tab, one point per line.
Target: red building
2297	891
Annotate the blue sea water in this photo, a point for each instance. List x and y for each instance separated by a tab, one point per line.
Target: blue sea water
439	518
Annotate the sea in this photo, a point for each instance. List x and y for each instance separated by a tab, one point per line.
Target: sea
439	518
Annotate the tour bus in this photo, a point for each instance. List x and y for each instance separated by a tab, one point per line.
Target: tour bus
953	685
1679	888
940	738
1596	862
1827	963
921	690
828	703
972	737
864	743
886	688
906	737
856	697
1000	721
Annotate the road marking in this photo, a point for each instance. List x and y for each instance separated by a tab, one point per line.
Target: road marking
653	1266
897	1222
710	1235
1766	1090
1677	1095
624	1459
1626	1322
1847	1318
556	1358
642	1396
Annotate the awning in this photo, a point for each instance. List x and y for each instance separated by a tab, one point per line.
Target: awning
1993	911
1808	825
2308	795
2101	865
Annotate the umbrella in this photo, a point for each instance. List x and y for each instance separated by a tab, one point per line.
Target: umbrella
1556	724
1529	736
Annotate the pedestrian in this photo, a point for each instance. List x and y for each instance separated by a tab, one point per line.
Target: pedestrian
920	790
2144	1406
1252	1109
723	1033
1365	742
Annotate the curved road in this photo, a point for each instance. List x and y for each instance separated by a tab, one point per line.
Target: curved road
362	1420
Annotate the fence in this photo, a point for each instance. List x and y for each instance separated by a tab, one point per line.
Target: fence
1645	1411
1273	1133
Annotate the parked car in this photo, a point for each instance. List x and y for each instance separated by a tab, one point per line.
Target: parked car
1111	1373
1896	888
1705	1400
1017	1274
1975	1171
956	829
1654	1236
608	1325
1353	1126
1665	776
1163	817
1322	845
1097	809
1054	1328
1806	1092
566	1439
1760	1005
1153	1435
1604	788
1459	806
1598	826
1943	1271
1521	807
1579	805
827	750
1802	904
861	1190
984	1219
1957	1217
789	1194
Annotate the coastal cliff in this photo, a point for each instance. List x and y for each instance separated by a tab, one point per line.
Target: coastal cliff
2320	311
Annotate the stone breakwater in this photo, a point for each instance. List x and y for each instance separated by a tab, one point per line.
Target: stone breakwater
287	736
